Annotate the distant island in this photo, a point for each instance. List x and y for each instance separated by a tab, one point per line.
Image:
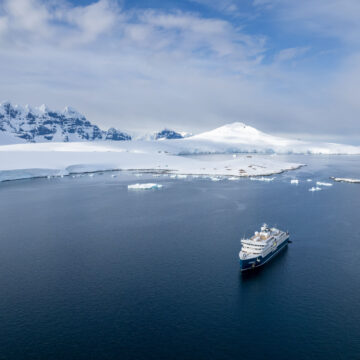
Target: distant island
40	142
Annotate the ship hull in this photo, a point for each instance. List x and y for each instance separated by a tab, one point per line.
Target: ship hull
253	263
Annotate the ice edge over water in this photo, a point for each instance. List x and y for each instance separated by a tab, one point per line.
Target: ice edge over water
348	180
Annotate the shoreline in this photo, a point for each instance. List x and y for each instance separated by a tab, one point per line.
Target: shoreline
53	173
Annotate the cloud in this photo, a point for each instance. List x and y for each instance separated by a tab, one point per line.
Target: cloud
327	18
290	53
93	20
55	22
143	68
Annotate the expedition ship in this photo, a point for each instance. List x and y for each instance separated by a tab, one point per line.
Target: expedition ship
262	247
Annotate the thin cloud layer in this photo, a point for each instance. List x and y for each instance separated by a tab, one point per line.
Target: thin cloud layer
145	68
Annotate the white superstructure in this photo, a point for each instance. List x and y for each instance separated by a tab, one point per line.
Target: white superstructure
262	246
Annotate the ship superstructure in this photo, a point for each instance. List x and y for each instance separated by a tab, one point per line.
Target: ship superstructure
262	247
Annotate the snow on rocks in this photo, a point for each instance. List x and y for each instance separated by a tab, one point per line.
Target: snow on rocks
148	186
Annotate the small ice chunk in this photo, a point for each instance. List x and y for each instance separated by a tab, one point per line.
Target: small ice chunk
308	180
147	186
215	178
294	181
315	188
323	183
91	175
113	176
138	175
234	155
262	178
233	178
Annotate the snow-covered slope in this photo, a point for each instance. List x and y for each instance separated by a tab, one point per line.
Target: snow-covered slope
21	161
40	124
26	124
238	137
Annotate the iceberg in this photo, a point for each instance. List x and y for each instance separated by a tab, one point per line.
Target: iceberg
349	180
147	186
320	183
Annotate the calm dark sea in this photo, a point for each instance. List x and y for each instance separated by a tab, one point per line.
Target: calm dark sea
90	270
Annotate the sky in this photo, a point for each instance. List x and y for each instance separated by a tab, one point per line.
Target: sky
282	66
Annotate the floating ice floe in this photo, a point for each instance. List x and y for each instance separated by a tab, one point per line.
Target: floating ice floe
308	180
233	178
319	183
215	178
294	181
147	186
138	175
349	180
262	178
315	188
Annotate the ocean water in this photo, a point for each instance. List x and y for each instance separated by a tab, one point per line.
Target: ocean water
92	270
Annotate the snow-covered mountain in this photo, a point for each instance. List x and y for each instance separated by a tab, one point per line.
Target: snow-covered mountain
40	124
168	134
26	124
238	137
165	134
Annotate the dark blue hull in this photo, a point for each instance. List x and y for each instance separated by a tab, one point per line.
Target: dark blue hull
253	263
